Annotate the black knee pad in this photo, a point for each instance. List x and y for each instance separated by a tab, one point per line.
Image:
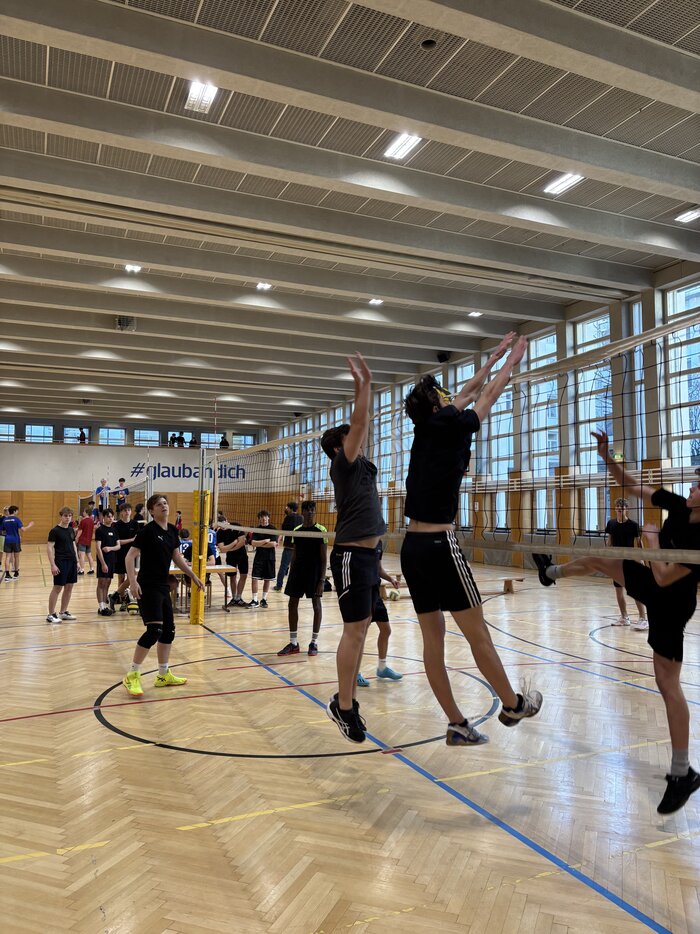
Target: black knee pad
166	633
150	636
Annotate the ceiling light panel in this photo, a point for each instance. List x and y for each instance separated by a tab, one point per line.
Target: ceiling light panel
200	97
402	146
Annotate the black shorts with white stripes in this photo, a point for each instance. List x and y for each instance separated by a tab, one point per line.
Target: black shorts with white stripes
356	578
437	573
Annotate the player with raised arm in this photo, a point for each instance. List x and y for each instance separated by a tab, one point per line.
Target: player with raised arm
438	576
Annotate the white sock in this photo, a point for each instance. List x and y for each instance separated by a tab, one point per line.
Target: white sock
314	636
163	669
293	638
381	663
135	667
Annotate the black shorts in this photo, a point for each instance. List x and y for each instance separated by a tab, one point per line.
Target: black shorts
264	564
437	573
303	580
119	562
11	548
110	570
356	578
67	572
155	604
238	559
668	608
379	613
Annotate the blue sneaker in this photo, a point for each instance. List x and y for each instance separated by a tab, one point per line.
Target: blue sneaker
388	674
362	681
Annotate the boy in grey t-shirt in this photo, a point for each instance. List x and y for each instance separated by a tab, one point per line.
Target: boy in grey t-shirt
354	560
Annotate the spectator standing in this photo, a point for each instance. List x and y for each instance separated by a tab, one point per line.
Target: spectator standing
172	440
223	443
12	526
83	539
63	561
180	440
102	494
291	520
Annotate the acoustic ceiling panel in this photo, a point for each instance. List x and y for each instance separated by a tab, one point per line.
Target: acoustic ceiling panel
139	86
409	61
242	17
363	38
303	25
520	85
251	113
471	70
25	61
127	159
15	137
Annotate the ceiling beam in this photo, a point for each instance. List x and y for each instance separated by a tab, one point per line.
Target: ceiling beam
113	32
565	39
112	186
53	111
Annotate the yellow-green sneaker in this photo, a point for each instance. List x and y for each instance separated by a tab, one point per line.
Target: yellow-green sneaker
132	682
167	680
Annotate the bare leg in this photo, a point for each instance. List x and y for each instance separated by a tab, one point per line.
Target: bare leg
433	629
487	659
348	658
668	679
53	598
583	567
254	588
266	588
318	614
383	639
163	652
620	597
293	613
641	609
65	597
241	584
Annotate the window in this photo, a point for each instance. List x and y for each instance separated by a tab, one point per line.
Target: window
208	439
112	436
500	513
38	434
7	432
545	509
544	409
683	362
383	436
243	441
639	399
680	300
146	437
72	435
593	394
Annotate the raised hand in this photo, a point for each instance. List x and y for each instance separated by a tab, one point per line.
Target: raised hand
603	443
518	351
502	347
360	371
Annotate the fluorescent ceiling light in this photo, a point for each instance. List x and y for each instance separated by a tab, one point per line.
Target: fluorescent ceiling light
247	421
376	301
263	286
200	97
75	412
294	402
86	389
136	415
192	418
229	399
164	393
563	183
475	314
8	345
402	145
10	408
12	384
132	267
687	216
100	354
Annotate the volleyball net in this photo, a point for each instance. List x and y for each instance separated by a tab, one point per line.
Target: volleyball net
535	481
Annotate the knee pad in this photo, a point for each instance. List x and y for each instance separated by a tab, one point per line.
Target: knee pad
166	633
150	636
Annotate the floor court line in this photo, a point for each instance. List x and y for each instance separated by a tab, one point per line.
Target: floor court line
491	818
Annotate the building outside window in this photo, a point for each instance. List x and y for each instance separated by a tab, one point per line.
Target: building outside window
7	432
38	434
682	350
112	436
146	437
72	435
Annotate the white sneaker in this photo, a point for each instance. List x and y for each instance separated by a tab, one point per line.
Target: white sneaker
641	625
53	618
622	621
67	615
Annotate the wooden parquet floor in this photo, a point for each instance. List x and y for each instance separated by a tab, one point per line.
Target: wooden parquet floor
232	804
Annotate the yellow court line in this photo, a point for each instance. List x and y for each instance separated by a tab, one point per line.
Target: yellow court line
62	851
288	807
676	838
537	762
6	765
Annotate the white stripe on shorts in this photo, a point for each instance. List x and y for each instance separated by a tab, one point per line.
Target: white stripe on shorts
464	571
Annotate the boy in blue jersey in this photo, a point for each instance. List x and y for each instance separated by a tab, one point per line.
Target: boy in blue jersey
11	529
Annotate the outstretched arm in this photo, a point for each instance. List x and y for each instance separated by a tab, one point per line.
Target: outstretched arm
621	475
359	420
493	390
471	389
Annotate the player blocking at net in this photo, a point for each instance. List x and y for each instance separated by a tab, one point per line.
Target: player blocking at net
669	592
438	576
157	544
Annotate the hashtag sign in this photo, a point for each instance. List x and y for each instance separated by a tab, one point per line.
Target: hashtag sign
137	470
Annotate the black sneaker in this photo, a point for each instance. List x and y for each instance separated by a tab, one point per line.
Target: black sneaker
253	605
16	574
361	719
529	706
543	562
90	572
263	604
114	599
290	649
678	789
347	721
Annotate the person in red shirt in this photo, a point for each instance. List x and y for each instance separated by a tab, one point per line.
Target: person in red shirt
83	539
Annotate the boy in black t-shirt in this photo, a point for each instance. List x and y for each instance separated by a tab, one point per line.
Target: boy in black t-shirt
623	532
126	529
264	560
307	576
359	527
232	543
158	545
63	561
107	544
438	576
669	592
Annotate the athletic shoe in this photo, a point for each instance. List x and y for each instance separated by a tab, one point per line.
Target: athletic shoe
347	721
289	649
313	648
105	611
531	701
621	621
462	734
8	577
362	681
641	625
67	615
53	618
361	719
80	573
90	572
277	589
388	674
114	598
168	680
263	603
16	575
231	602
253	605
678	790
123	607
132	682
543	562
239	601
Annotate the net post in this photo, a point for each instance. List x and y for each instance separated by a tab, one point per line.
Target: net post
201	507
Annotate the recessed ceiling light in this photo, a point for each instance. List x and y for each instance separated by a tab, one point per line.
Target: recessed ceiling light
263	286
8	345
12	384
192	418
132	267
201	97
563	183
75	412
164	393
10	408
86	389
475	314
100	354
190	361
229	399
294	402
402	145
376	301
247	421
687	216
136	415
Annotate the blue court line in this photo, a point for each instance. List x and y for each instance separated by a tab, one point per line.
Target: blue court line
482	812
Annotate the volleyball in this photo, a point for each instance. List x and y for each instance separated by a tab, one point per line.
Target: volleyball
393	594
